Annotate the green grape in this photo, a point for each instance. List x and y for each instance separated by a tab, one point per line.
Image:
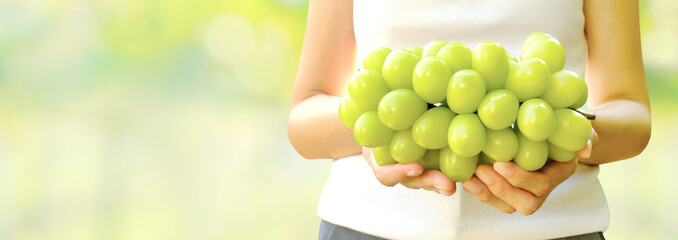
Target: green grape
398	68
512	59
370	132
375	59
430	79
548	50
430	160
444	104
404	149
366	88
465	91
430	129
531	155
455	167
536	119
501	145
572	130
499	109
565	89
350	111
416	50
537	36
466	135
582	99
484	159
491	61
559	154
399	109
528	79
457	56
432	48
383	155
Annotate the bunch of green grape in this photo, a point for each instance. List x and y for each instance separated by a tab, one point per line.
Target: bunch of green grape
451	108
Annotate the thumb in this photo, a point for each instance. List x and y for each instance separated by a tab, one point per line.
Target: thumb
588	149
392	174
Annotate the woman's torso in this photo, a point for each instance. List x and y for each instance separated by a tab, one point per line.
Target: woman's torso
353	198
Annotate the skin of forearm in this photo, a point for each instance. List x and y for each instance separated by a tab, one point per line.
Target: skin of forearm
315	131
623	128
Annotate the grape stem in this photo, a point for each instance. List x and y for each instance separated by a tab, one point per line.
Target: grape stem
587	115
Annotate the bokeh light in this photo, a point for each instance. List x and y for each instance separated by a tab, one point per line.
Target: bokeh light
165	119
230	39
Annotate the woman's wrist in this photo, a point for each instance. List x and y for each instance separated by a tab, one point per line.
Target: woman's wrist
316	132
622	130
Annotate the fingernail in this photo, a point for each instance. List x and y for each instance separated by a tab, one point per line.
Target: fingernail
472	187
442	188
504	169
413	173
446	192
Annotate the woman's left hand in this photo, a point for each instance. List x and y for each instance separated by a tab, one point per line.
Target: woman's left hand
508	188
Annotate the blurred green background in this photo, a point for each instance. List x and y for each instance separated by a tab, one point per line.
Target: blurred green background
165	119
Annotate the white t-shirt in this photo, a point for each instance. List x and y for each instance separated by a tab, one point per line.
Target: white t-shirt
352	196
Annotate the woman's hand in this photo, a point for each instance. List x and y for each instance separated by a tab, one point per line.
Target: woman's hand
508	188
411	175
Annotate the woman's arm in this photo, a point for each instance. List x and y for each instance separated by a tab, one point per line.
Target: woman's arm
618	97
327	63
616	80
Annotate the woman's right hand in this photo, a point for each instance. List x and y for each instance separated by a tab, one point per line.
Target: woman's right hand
411	175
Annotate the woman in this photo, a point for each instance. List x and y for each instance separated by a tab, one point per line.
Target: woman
363	199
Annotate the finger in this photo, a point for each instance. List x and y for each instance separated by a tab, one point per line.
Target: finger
431	179
412	169
558	172
368	155
588	149
535	182
431	189
522	200
479	190
390	175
